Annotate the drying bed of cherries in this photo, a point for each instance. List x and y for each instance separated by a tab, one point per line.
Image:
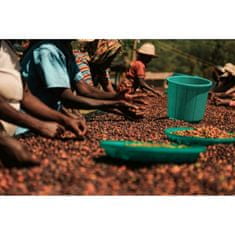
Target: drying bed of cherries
80	167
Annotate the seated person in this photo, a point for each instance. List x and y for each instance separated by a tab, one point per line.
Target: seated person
40	118
135	76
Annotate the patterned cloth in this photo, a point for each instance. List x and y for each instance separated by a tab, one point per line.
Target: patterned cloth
94	63
82	60
105	52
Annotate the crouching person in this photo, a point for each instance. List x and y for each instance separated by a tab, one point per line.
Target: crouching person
39	118
135	76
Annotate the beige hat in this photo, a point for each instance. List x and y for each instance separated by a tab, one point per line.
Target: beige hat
230	68
220	68
147	49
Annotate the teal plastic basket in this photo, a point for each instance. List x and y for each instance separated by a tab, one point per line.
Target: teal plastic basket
187	97
122	150
191	140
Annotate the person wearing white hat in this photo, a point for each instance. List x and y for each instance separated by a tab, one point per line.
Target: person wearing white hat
135	76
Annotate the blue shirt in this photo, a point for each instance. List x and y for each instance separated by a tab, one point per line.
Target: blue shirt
45	66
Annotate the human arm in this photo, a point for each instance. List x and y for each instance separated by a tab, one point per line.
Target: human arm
145	86
73	101
230	91
9	114
92	92
40	110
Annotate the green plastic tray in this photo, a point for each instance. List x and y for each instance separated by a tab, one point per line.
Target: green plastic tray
121	150
190	140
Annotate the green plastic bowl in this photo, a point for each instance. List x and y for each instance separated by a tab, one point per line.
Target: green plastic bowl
190	140
187	97
122	150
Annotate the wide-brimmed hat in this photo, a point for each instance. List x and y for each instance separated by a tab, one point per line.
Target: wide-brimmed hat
220	68
147	49
229	68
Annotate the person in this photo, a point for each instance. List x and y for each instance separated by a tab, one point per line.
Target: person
86	85
94	59
225	98
14	94
51	71
224	90
135	76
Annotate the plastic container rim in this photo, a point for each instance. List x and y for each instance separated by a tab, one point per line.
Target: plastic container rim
172	80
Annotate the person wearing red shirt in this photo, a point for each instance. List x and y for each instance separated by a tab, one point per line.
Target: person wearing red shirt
135	76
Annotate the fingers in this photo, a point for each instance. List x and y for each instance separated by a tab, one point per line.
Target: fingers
129	105
59	131
143	101
82	128
78	127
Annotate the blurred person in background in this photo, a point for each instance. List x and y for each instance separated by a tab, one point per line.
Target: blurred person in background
224	90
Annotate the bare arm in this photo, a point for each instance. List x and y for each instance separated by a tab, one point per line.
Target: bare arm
231	90
145	86
35	107
92	92
77	101
9	114
38	109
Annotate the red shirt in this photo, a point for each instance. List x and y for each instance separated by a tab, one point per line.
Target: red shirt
136	70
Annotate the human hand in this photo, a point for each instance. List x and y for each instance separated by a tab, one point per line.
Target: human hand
15	154
77	126
51	129
131	111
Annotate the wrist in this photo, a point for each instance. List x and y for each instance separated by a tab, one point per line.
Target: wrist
63	119
37	126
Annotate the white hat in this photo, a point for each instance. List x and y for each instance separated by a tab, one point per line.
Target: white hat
147	49
230	68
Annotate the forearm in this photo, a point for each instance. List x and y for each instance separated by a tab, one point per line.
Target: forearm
92	92
230	91
145	86
38	109
9	114
79	102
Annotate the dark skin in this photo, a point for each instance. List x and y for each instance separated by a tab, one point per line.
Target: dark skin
75	101
85	100
38	109
85	89
14	154
108	93
44	121
142	84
